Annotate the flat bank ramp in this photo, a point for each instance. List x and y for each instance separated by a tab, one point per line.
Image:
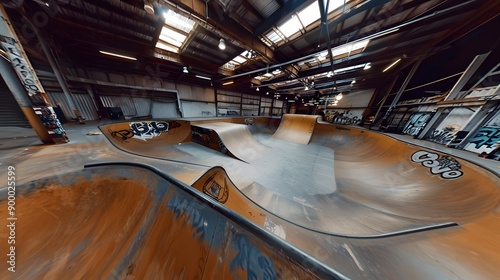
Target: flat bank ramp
296	128
127	222
231	138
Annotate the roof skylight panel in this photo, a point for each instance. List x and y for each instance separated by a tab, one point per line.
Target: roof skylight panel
166	47
178	21
172	37
290	27
309	14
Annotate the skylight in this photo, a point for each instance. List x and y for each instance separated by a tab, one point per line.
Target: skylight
166	47
172	37
345	49
291	26
237	60
174	32
310	14
274	37
300	20
178	21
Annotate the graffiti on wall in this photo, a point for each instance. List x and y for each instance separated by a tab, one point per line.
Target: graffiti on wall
216	190
148	129
445	166
143	130
416	123
249	121
342	117
445	135
487	136
208	138
251	259
201	135
121	135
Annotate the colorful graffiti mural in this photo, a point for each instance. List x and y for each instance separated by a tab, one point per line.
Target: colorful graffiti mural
416	123
486	137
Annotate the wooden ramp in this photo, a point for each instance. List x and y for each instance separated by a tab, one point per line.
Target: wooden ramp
229	138
296	128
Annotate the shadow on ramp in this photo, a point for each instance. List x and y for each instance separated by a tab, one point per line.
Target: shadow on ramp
122	221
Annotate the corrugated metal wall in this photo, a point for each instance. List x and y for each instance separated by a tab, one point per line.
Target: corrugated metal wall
83	102
161	110
198	109
126	103
10	112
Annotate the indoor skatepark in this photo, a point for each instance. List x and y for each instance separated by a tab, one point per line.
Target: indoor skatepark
260	198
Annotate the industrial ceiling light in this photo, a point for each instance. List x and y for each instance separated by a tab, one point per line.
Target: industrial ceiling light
148	7
367	66
228	83
222	44
257	89
185	69
338	96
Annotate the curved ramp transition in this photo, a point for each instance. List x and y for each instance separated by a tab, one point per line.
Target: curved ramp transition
229	138
126	222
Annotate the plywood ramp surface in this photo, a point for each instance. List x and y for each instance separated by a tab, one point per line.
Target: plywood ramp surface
237	139
296	128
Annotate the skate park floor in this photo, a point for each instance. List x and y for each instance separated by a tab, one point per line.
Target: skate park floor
360	241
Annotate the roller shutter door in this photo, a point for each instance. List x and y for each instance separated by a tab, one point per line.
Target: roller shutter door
10	112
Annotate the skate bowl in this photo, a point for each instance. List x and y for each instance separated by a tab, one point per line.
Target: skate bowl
124	221
338	180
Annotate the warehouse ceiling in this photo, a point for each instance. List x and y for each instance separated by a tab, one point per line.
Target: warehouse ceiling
275	46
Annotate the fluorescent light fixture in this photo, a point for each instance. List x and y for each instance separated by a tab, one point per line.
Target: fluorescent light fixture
367	66
227	83
222	44
118	55
203	77
390	66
